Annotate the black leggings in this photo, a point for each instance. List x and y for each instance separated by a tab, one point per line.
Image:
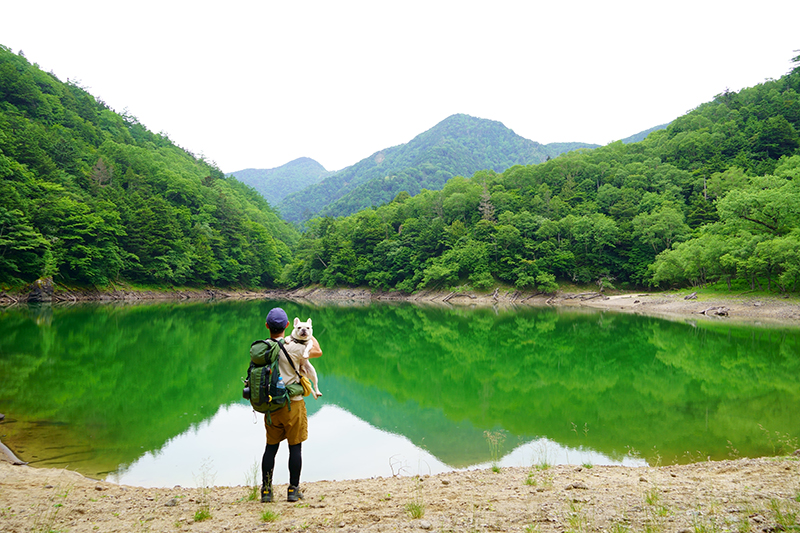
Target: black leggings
295	463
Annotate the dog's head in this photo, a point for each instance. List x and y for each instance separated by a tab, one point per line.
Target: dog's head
302	330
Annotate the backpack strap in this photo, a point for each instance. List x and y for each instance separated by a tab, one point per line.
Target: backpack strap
285	353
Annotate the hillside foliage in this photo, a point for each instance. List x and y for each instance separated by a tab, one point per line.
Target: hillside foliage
89	196
459	145
714	196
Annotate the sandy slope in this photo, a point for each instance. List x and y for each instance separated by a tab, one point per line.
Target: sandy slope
736	495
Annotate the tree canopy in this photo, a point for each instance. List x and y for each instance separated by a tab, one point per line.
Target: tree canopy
90	196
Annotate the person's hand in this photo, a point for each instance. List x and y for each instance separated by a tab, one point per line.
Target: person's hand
316	351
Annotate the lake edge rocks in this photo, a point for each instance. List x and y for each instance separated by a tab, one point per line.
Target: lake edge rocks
758	309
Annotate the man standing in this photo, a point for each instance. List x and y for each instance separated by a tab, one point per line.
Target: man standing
290	422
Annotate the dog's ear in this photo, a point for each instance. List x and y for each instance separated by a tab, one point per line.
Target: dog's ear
296	321
309	321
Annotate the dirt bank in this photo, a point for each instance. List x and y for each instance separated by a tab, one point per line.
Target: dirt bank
747	308
737	495
45	292
735	307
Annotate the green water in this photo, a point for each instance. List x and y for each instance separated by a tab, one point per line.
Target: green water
95	387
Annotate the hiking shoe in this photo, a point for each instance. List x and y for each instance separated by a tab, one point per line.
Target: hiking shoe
266	494
294	494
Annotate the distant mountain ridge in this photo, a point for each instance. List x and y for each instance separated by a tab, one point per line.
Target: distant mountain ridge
460	145
275	184
642	135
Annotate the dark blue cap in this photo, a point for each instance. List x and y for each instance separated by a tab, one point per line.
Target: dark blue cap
277	319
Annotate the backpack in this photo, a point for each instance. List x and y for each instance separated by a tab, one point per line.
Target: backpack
263	385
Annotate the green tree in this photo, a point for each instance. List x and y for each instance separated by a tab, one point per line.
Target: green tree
661	228
777	138
23	251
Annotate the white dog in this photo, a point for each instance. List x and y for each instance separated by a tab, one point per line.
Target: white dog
298	345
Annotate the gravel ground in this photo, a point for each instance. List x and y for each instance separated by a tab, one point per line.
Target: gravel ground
737	495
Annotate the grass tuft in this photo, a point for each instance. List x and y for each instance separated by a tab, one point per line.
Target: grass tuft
785	519
251	482
204	513
495	440
268	515
415	509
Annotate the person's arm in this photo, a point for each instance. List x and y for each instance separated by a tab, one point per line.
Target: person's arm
316	351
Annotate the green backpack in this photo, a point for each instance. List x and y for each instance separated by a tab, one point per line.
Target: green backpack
264	385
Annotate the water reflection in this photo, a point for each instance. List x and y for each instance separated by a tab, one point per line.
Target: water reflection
341	446
151	393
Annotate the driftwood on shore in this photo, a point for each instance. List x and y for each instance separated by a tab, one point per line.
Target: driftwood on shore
9	456
581	296
6	454
456	295
717	311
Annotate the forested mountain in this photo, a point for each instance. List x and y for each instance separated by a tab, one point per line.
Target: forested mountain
713	197
460	145
275	184
89	197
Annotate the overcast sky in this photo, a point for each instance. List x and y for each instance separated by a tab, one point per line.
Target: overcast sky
256	84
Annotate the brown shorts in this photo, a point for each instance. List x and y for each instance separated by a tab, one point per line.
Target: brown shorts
291	425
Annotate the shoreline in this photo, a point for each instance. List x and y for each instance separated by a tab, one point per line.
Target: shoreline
760	494
753	309
737	308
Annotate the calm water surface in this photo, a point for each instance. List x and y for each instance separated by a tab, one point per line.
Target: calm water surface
151	394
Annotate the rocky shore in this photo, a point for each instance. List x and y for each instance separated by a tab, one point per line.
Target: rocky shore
685	304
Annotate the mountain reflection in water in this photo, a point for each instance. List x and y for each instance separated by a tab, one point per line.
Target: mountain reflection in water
341	446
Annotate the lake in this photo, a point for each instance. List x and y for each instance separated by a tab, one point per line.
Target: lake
150	394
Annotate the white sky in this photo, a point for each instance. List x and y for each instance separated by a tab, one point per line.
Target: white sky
256	84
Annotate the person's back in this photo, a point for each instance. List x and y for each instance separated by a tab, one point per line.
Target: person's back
289	422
